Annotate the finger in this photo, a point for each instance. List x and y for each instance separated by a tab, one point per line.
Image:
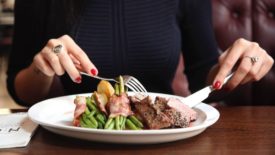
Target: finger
77	63
241	72
69	66
42	65
223	55
79	68
246	80
234	53
253	74
74	59
80	55
53	60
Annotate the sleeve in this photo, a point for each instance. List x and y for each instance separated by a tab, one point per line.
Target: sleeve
198	42
27	41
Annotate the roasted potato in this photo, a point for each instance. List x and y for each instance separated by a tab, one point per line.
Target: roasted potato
106	88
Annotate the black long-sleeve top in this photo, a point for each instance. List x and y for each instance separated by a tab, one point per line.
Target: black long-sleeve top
143	38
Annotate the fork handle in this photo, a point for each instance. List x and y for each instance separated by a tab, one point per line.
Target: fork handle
97	77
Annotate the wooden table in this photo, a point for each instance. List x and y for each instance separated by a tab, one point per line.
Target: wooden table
240	130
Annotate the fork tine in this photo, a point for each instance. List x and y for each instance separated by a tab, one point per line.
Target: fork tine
132	88
138	84
133	84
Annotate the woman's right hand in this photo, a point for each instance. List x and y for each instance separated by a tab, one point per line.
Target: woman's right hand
68	58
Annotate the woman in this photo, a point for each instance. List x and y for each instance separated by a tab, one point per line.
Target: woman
54	40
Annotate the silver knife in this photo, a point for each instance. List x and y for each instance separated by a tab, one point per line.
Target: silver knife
197	97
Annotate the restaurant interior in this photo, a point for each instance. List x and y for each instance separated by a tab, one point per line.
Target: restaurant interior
6	29
253	20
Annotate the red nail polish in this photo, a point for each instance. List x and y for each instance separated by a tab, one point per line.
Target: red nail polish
217	85
78	79
93	71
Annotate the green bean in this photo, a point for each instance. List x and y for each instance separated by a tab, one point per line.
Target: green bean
87	111
125	89
82	123
112	125
93	120
104	117
88	122
117	124
110	120
116	89
121	85
120	122
88	100
89	103
131	125
93	112
123	122
92	106
136	121
120	119
100	118
100	125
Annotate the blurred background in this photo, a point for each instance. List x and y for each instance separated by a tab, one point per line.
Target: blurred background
232	19
6	29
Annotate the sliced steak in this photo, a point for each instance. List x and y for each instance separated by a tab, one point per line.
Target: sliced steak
163	113
187	112
153	119
178	119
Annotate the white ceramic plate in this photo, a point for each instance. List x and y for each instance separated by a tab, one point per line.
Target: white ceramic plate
56	115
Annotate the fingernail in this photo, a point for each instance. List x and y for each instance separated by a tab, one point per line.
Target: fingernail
93	71
217	85
78	79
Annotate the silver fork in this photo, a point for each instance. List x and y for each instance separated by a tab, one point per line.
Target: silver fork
129	81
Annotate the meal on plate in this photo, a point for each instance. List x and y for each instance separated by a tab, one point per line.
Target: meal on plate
112	108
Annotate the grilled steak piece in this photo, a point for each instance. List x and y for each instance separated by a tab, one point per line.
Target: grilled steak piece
153	119
160	104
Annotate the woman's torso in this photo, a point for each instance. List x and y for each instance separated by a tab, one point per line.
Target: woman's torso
140	38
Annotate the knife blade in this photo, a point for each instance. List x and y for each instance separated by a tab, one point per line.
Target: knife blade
197	97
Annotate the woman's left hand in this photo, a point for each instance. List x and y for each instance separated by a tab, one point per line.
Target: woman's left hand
251	62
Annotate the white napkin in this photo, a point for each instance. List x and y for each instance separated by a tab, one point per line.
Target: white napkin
16	130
